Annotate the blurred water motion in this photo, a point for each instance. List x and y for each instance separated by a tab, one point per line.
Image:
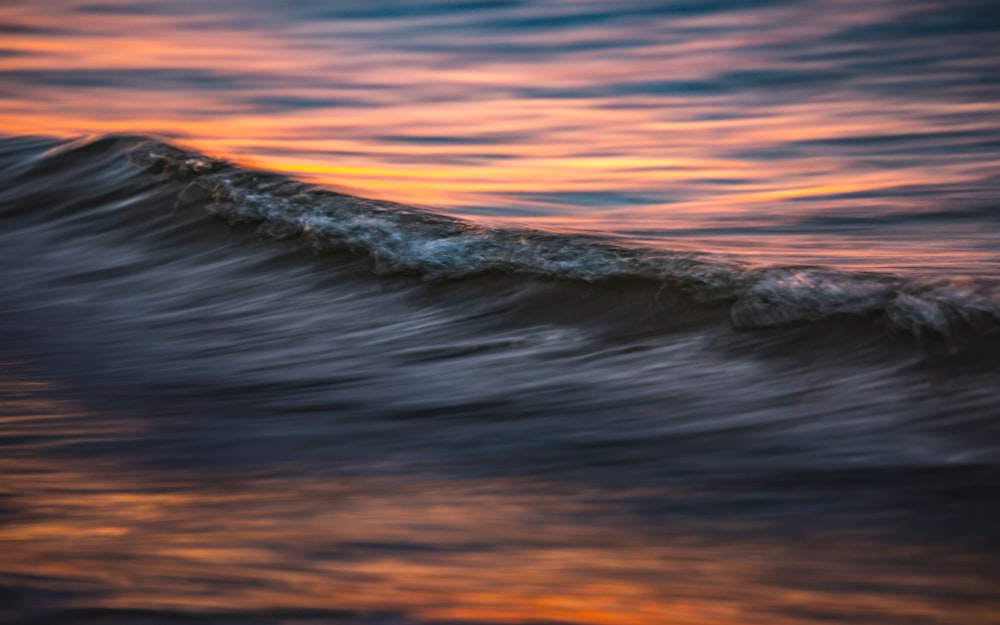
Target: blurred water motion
210	422
711	125
701	328
410	548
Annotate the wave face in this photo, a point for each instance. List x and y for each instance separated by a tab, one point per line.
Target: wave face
134	205
403	239
170	322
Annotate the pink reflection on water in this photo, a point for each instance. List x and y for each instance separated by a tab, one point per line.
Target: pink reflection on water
636	112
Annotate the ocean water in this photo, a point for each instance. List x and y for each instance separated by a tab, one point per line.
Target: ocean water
500	312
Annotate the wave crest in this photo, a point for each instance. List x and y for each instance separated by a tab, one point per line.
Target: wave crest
404	239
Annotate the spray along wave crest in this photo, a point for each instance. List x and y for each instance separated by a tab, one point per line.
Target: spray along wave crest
402	239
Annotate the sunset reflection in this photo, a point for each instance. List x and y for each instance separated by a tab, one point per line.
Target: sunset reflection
645	312
483	550
620	121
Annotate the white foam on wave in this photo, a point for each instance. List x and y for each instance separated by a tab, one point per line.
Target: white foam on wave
408	240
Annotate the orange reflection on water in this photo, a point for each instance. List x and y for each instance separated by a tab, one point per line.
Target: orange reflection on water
488	550
492	552
625	125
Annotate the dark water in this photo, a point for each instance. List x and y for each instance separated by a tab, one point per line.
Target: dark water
703	329
231	397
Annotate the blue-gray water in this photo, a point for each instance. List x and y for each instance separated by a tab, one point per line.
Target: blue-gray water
701	326
231	397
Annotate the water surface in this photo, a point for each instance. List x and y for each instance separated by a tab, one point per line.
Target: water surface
839	131
499	312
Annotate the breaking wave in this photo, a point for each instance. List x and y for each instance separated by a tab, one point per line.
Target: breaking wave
407	240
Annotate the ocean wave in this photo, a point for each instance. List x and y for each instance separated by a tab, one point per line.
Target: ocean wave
403	239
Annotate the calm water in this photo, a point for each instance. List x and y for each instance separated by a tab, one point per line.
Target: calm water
673	312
